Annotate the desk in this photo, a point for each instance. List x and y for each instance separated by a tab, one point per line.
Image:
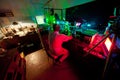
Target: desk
29	40
87	32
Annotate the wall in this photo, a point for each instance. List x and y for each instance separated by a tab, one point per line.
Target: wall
98	11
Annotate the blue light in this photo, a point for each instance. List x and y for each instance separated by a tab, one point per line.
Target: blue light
88	25
58	22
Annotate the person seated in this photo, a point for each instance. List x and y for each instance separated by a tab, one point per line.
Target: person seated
55	44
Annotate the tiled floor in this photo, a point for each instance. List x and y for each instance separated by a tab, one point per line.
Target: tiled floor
37	63
40	67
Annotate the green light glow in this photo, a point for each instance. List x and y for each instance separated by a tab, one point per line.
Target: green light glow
50	19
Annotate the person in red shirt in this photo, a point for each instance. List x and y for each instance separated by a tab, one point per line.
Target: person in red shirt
55	44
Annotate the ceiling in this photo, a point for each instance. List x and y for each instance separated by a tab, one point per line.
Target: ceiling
26	9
